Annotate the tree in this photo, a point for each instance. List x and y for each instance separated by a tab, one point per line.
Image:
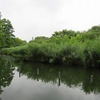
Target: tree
6	27
17	42
6	33
62	33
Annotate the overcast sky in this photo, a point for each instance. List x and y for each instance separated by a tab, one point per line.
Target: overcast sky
31	18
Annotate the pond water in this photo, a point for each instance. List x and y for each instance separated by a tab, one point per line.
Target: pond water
24	81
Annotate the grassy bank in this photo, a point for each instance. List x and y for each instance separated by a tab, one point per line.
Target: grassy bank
64	47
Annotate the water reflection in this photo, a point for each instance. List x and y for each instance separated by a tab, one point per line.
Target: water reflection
37	74
47	82
59	78
6	73
87	79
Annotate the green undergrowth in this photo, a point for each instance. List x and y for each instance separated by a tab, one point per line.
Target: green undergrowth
64	47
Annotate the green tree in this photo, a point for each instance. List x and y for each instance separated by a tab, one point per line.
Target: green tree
62	33
6	33
6	28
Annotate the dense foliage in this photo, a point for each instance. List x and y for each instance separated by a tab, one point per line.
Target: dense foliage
7	38
64	47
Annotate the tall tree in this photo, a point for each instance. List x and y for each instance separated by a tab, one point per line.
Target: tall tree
6	28
6	33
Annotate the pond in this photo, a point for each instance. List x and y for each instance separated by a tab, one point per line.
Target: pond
25	81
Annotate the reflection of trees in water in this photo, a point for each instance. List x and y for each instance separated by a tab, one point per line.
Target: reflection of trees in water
88	80
91	82
6	73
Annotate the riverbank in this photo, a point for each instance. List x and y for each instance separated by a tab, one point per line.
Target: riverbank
65	47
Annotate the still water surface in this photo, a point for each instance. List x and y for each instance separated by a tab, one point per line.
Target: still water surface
22	81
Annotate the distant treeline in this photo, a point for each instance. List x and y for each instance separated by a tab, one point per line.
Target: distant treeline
65	47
